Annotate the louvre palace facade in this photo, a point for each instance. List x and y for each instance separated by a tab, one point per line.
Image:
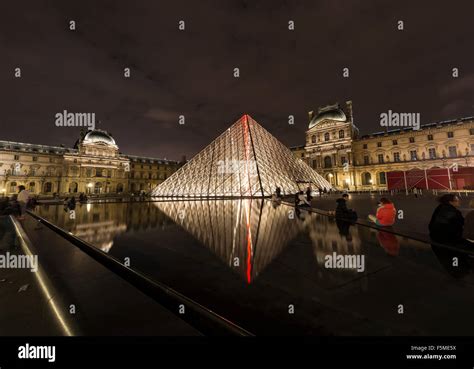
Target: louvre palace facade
93	166
435	156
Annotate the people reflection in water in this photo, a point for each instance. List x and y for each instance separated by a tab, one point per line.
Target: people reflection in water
344	228
447	223
69	204
82	197
276	197
389	242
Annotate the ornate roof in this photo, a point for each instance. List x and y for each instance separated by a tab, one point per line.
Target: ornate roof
331	112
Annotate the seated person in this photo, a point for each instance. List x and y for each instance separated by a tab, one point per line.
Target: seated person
385	215
301	200
341	209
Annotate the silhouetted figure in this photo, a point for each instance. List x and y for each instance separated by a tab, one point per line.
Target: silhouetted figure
308	194
446	224
468	232
5	206
342	212
278	192
71	203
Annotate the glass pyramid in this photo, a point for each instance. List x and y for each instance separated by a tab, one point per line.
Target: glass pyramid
244	161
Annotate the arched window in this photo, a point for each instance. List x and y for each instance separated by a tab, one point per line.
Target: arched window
366	179
73	187
12	187
326	136
313	139
48	187
327	162
119	188
341	133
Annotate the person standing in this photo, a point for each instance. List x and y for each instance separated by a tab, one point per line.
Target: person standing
469	224
308	194
23	197
447	222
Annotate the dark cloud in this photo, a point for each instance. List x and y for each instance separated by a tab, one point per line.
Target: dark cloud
191	73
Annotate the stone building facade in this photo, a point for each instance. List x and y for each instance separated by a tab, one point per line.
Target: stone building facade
401	157
93	166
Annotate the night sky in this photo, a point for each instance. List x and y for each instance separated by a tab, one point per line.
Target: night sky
190	72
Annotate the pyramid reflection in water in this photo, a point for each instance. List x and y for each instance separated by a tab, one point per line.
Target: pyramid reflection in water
246	234
244	161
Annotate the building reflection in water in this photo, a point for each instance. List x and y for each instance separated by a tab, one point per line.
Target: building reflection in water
100	224
246	234
256	232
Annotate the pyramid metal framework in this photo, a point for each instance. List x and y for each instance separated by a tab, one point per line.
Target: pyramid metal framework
244	161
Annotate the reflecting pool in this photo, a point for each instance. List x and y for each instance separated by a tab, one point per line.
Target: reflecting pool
274	271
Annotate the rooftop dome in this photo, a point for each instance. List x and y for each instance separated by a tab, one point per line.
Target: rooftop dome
97	136
331	112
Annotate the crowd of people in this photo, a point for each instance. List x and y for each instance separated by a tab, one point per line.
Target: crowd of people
447	224
17	204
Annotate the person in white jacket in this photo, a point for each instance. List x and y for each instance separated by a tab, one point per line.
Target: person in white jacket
23	197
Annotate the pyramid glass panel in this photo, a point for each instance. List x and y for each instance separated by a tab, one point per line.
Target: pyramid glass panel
244	161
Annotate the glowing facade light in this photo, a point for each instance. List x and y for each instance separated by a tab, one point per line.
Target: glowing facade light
244	161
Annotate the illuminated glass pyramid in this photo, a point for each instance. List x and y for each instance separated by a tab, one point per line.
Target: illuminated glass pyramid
244	161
